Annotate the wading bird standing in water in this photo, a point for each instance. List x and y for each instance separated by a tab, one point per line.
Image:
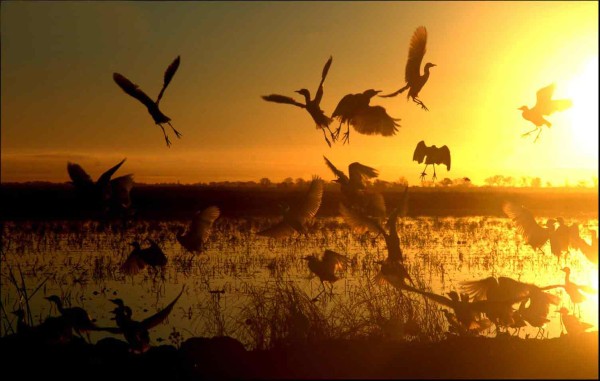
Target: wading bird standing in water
432	155
412	74
139	258
197	234
354	110
295	217
105	192
544	105
325	267
311	105
133	90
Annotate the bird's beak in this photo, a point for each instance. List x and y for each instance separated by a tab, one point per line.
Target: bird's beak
297	91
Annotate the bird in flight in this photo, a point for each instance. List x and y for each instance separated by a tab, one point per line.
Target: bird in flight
311	105
133	90
105	192
412	73
432	155
354	109
535	235
295	217
326	267
194	240
544	105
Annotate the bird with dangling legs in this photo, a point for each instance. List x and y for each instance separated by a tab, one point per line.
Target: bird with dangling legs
544	105
432	156
311	105
325	268
133	90
412	73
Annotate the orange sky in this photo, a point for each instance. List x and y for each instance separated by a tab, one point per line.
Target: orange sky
59	102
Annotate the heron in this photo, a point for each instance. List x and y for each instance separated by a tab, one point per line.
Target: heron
313	106
353	187
572	325
544	105
354	109
325	267
136	332
296	216
535	234
576	292
76	317
152	106
139	258
412	73
196	237
108	192
432	155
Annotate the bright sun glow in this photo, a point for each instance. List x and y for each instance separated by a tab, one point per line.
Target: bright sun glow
583	91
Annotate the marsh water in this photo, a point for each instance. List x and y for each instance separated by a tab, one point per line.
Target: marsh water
244	285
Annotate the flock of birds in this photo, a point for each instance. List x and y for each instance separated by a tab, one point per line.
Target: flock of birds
482	303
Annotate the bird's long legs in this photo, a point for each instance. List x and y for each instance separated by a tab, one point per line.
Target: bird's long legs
346	138
420	103
177	133
434	175
165	134
539	131
423	174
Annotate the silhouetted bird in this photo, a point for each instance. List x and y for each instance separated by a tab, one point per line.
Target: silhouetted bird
311	105
576	291
572	324
194	240
133	90
77	317
544	105
295	217
570	234
326	267
136	332
353	188
54	330
412	74
432	155
354	110
535	234
139	258
105	192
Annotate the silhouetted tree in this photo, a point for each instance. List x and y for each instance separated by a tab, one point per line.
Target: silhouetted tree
265	182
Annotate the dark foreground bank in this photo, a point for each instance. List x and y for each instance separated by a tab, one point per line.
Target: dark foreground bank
223	357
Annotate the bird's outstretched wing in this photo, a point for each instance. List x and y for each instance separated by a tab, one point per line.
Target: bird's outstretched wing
169	73
133	264
339	174
346	107
359	172
399	210
312	201
121	188
319	94
359	222
545	105
444	156
161	315
105	177
279	230
282	99
418	45
374	120
133	90
525	222
334	260
420	152
478	289
203	221
79	177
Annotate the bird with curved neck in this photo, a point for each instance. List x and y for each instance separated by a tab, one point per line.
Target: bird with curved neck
77	317
576	291
412	73
313	106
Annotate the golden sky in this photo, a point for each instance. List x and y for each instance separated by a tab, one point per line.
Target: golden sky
59	102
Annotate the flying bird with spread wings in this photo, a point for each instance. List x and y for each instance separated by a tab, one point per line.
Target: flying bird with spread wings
355	111
544	105
432	155
325	268
313	106
412	73
196	237
296	216
133	90
106	192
